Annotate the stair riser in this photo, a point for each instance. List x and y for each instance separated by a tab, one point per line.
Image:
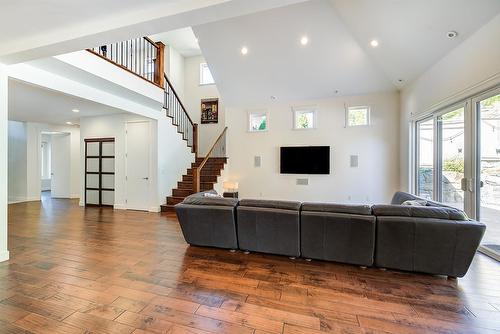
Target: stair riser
173	200
203	178
206	172
182	192
189	185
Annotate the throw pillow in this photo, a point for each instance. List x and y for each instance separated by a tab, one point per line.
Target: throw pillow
416	202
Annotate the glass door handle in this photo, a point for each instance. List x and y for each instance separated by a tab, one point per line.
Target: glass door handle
481	184
145	178
463	184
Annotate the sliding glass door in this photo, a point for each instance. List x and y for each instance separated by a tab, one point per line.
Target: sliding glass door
487	109
457	159
451	146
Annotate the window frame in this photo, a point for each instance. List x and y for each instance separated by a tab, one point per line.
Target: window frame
260	113
368	116
201	77
302	110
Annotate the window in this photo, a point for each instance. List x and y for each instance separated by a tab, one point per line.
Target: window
358	116
206	77
304	118
257	121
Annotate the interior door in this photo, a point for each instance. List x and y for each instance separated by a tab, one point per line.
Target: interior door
60	166
137	157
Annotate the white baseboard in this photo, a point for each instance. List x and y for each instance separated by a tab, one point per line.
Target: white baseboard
4	256
74	196
154	209
119	207
14	200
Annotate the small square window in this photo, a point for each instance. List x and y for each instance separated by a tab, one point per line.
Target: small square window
206	77
304	118
358	116
257	121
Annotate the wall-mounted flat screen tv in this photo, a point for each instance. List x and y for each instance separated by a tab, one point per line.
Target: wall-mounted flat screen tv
305	160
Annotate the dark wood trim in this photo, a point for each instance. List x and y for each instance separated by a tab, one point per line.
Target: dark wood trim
101	189
160	65
103	173
155	44
99	156
124	68
89	140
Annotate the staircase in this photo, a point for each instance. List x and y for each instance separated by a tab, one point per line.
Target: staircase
204	172
208	177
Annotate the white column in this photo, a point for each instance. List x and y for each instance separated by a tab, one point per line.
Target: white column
4	98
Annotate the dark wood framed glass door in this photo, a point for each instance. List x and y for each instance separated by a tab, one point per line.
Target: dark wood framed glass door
99	172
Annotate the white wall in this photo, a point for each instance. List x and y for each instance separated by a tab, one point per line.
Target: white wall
17	186
174	157
470	68
174	68
4	98
377	146
194	93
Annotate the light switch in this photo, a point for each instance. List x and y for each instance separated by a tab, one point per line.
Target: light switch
354	161
256	161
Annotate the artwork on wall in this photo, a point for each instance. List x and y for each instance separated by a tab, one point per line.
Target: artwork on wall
209	111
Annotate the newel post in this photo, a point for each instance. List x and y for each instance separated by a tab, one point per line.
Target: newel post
196	180
160	65
195	140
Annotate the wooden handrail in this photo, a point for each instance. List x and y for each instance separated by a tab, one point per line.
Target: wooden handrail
197	170
178	99
132	56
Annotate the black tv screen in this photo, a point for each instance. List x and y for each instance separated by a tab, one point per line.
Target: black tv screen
305	160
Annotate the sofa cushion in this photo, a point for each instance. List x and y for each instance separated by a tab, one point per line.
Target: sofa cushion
337	208
274	204
419	211
400	197
201	199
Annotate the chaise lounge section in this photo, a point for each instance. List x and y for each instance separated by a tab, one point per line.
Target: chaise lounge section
434	239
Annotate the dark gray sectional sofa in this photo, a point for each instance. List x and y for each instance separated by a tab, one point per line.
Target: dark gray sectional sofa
433	239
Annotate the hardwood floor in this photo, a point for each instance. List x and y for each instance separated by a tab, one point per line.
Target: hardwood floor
75	270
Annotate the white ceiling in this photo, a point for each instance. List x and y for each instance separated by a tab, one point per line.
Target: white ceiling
30	103
42	28
412	36
183	40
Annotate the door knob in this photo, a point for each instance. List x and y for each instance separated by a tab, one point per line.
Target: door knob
481	184
145	178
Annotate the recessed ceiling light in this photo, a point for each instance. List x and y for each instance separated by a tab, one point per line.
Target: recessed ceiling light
244	50
374	43
75	110
452	34
69	123
304	40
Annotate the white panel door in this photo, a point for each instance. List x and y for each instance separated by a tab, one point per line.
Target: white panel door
137	161
60	161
